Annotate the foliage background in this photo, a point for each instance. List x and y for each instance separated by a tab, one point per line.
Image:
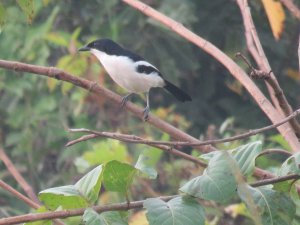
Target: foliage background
35	113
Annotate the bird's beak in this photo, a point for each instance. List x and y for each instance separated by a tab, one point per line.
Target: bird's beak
84	49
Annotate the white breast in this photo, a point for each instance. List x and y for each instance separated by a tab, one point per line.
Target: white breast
123	71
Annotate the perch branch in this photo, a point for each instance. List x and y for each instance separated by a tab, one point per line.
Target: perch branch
139	140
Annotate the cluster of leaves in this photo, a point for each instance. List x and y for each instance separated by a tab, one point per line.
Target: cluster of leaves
222	181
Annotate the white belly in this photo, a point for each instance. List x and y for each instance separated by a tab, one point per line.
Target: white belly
123	72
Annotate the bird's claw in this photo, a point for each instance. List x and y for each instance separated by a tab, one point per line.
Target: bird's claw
146	113
124	100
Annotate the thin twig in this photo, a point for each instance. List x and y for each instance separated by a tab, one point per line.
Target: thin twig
139	140
123	137
20	196
18	177
276	151
275	180
31	217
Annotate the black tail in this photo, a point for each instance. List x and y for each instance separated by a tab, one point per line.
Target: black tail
177	92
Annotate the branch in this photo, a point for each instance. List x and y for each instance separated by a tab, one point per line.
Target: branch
132	139
31	217
290	5
232	67
275	180
18	177
58	74
139	140
299	52
276	151
20	196
276	93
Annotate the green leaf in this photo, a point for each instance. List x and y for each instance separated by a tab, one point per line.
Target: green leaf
67	197
146	166
83	193
290	165
244	155
177	211
118	176
89	185
217	182
2	16
275	208
105	151
58	38
28	8
91	217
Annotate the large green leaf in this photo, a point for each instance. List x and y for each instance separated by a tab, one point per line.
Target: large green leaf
89	185
118	176
83	193
275	208
244	155
68	197
105	151
177	211
91	217
217	182
146	165
290	165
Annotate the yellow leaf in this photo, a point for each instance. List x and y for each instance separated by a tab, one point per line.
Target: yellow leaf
139	218
293	74
237	209
275	15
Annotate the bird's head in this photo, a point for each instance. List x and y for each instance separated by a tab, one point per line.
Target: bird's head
103	45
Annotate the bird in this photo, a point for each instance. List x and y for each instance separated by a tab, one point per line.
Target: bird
131	71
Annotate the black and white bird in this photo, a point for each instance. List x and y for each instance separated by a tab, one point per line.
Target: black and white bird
131	71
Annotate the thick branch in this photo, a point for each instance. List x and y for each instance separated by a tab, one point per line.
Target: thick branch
276	93
233	68
139	140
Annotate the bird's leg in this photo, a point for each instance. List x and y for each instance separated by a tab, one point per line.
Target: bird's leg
147	109
125	99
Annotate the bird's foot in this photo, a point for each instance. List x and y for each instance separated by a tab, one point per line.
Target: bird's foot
146	113
125	100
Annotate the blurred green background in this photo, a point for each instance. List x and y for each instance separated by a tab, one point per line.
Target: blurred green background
36	112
